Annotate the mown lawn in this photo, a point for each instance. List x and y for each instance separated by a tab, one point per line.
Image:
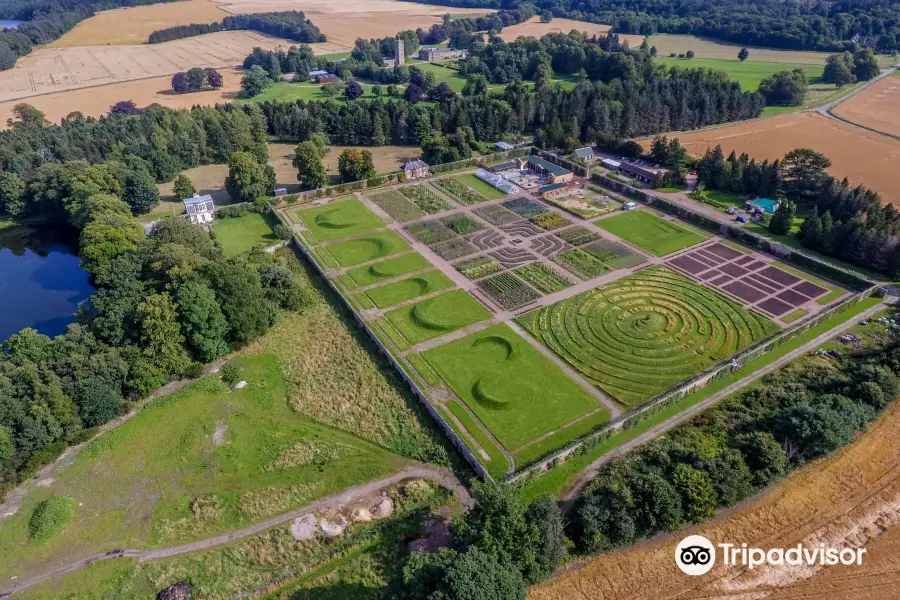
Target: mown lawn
405	289
385	269
243	233
340	218
480	186
651	233
514	390
366	248
433	317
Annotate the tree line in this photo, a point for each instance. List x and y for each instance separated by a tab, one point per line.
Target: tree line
291	25
851	223
823	26
802	412
46	21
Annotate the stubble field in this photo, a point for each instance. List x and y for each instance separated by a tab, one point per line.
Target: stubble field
877	107
850	500
865	158
535	28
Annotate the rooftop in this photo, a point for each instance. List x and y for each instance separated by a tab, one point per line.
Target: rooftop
549	166
411	165
197	199
552	186
504	145
583	152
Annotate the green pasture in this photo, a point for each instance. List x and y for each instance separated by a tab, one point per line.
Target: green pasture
240	234
413	287
385	269
433	317
340	218
365	248
513	389
640	335
651	233
748	73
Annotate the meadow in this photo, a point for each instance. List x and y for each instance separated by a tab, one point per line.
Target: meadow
433	317
651	233
639	335
516	392
239	234
339	218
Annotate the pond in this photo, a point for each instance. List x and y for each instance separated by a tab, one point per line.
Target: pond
9	24
41	280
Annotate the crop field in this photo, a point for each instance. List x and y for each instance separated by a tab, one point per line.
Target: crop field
481	187
433	317
396	205
847	500
203	460
535	28
707	48
508	291
406	289
748	73
339	218
459	191
426	198
877	107
240	234
385	269
516	392
651	233
842	143
543	278
366	248
641	334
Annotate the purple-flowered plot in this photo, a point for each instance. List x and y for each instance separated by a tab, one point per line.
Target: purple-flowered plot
744	259
733	270
720	249
688	264
745	292
709	275
774	306
709	256
810	289
721	280
704	259
782	277
792	298
762	283
752	266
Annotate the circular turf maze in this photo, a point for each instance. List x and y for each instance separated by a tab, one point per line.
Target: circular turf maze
642	334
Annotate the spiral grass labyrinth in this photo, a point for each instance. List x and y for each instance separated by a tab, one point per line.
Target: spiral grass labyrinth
640	335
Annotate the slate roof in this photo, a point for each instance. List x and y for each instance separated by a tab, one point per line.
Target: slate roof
547	165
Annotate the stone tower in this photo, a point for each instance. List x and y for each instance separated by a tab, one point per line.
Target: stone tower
399	53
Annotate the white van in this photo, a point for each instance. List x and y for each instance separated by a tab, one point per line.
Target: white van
629	206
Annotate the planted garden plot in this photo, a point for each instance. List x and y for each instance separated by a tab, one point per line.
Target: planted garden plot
488	238
459	191
462	224
512	257
496	215
521	229
426	199
396	205
639	335
577	236
430	232
550	221
615	255
525	208
453	249
543	278
508	291
581	263
481	266
547	245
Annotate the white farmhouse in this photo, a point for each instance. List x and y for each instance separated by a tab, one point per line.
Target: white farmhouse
200	209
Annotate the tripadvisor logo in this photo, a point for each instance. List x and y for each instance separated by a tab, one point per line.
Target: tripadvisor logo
696	555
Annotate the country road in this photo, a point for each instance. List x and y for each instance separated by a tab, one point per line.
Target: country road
443	476
825	109
587	474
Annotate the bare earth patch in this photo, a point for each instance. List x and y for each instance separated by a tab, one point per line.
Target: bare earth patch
851	500
865	158
304	528
878	106
219	435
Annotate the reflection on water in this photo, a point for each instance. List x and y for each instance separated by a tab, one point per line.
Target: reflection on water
8	24
41	281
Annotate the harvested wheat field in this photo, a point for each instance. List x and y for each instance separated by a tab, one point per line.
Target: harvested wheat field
667	43
535	28
878	106
134	25
862	156
850	500
96	101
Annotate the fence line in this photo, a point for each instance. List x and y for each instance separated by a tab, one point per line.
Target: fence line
413	385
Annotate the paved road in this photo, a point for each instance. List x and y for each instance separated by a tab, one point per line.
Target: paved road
444	477
592	470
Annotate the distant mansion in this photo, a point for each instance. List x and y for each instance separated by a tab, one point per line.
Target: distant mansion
415	169
433	54
200	209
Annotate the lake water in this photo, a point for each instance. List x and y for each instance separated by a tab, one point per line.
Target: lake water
7	24
41	281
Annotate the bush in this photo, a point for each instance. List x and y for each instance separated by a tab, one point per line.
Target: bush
231	373
194	371
50	517
283	232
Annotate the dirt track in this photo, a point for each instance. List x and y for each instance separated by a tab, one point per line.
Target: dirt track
850	500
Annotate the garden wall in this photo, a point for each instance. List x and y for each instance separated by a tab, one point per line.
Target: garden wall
634	416
805	261
403	372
